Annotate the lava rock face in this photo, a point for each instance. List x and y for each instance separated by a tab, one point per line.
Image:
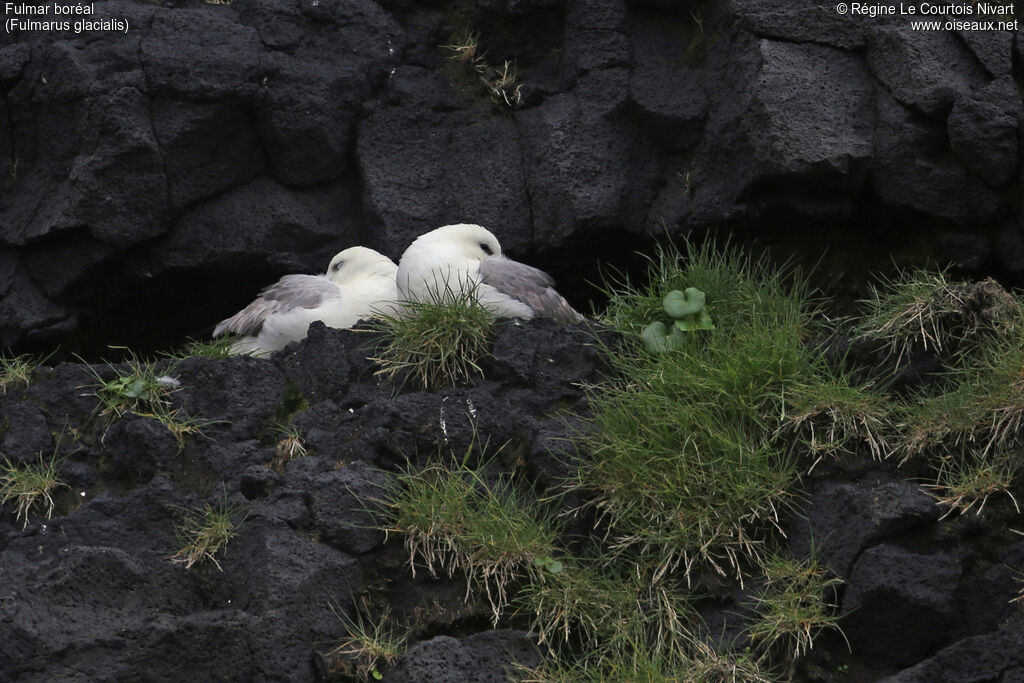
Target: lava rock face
93	590
214	147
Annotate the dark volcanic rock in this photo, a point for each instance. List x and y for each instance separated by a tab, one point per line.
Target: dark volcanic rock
417	156
239	395
983	130
480	658
913	167
217	147
995	656
339	504
840	520
925	70
900	605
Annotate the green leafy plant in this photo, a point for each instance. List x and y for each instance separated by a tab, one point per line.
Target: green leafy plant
368	647
438	342
27	485
688	313
205	531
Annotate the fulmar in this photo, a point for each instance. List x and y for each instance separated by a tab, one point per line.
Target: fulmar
358	280
454	258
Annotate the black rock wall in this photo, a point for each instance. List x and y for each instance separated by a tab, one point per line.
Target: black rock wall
155	179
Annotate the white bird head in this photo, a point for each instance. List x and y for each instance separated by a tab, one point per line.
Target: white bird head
359	262
471	242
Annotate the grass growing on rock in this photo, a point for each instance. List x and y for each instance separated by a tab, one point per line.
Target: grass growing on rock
438	342
290	445
28	485
687	467
792	608
967	424
455	518
369	645
145	390
695	449
16	371
204	532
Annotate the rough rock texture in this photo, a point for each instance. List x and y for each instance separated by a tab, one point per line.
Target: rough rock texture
214	147
92	591
152	181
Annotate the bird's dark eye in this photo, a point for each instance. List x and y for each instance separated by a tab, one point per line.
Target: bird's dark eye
338	265
487	248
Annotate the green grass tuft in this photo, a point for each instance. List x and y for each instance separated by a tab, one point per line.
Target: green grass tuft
435	343
792	607
16	371
142	389
205	531
370	645
27	485
920	310
210	348
686	466
453	518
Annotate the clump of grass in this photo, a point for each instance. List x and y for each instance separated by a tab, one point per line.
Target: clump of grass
979	404
369	646
971	479
141	389
16	371
833	415
502	83
205	531
792	607
686	465
701	663
924	310
453	518
465	49
290	445
28	485
209	348
608	615
438	342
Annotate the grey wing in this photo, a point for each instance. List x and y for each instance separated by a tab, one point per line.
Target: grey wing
288	293
532	286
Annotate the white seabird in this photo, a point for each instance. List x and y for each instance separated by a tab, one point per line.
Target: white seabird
358	280
455	257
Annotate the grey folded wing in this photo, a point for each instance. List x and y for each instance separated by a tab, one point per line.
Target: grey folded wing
532	286
288	293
